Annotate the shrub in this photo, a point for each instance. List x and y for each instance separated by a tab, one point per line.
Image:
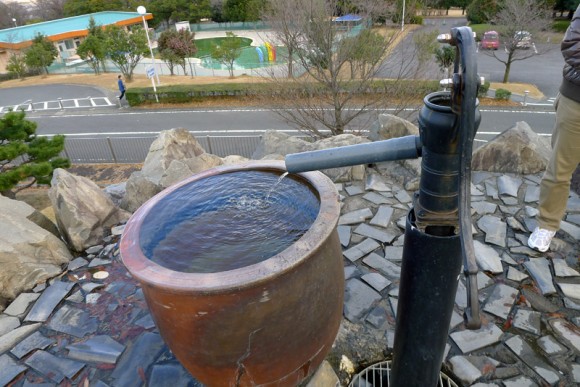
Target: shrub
483	89
503	94
560	25
416	19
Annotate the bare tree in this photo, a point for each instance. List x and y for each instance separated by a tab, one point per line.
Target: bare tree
520	23
334	80
12	14
49	9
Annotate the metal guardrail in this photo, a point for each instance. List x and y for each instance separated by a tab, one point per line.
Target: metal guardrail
125	150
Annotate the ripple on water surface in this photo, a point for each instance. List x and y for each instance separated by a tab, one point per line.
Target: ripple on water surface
228	221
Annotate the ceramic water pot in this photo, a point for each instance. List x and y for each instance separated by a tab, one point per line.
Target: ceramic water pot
271	323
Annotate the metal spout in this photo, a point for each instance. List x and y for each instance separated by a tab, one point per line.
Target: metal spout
408	147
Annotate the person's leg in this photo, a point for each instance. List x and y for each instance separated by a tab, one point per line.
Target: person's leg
555	185
122	94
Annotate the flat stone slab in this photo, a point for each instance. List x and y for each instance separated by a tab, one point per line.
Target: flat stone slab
374	233
471	340
383	265
8	323
539	269
528	321
529	357
360	250
54	368
145	351
50	298
354	217
566	334
520	381
495	230
376	183
12	338
359	298
514	274
172	375
484	207
570	290
97	349
9	369
377	281
376	198
344	234
73	321
501	300
21	303
464	370
507	185
551	346
383	216
487	258
35	341
561	268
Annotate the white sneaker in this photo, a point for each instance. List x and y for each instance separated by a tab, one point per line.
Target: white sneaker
540	239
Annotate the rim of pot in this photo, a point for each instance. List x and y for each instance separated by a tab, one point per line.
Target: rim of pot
147	271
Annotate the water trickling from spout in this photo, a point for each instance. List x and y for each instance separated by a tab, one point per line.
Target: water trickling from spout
282	176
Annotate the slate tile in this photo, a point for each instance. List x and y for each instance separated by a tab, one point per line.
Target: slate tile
501	300
352	190
376	182
566	334
35	341
374	233
344	234
172	375
376	198
53	367
77	263
528	321
356	216
20	304
471	340
122	289
487	258
50	298
523	351
146	321
383	216
360	250
359	298
540	271
97	349
140	355
9	369
12	338
551	346
377	281
73	321
385	266
8	323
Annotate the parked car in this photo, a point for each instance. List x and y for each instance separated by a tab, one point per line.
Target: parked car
490	40
523	39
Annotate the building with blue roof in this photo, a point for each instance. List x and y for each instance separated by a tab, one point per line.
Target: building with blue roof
66	33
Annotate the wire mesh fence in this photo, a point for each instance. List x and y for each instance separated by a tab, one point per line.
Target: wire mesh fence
127	150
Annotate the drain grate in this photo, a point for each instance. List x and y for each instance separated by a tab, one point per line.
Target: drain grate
373	377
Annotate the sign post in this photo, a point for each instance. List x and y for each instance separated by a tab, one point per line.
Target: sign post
150	74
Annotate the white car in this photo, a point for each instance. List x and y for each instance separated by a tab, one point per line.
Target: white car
523	39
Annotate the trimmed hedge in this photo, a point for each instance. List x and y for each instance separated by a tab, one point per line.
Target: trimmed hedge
503	94
176	94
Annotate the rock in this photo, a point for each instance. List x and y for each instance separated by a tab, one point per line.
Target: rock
276	143
25	210
116	192
389	126
83	212
180	170
28	255
174	144
517	150
139	188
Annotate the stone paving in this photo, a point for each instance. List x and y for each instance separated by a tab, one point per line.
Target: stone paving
90	326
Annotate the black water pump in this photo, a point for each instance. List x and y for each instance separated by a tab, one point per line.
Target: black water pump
438	238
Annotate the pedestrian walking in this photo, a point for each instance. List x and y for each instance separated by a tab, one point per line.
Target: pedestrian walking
121	87
555	184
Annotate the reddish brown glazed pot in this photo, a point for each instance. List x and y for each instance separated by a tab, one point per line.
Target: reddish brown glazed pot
267	324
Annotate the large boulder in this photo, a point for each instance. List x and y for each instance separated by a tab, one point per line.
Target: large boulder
29	255
389	126
274	144
25	210
517	150
173	157
84	213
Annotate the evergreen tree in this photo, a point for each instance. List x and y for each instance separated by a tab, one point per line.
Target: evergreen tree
93	49
41	54
24	157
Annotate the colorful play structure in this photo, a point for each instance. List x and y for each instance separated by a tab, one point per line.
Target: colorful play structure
267	52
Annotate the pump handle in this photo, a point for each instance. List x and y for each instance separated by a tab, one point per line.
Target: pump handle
463	102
